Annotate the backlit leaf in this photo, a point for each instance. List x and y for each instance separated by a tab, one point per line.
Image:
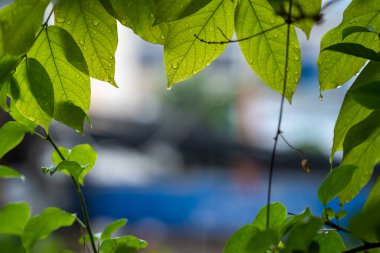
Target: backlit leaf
354	49
41	226
335	182
184	54
351	111
361	147
95	32
265	53
13	218
277	216
137	15
11	134
19	23
124	244
36	99
56	50
336	68
330	242
111	228
368	94
7	172
171	10
249	239
70	168
302	235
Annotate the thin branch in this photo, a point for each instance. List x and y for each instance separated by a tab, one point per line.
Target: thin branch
80	195
365	246
337	227
273	156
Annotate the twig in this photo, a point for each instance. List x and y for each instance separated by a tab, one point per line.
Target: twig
273	156
365	246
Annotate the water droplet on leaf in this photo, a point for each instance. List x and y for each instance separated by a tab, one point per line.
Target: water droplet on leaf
95	22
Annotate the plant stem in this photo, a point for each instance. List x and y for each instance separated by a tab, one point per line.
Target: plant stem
366	246
278	132
80	195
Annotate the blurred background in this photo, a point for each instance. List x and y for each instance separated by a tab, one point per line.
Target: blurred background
189	166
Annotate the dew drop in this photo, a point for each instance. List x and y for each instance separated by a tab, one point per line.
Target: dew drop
200	60
110	57
169	87
93	56
95	22
162	37
275	35
296	58
351	21
174	65
60	19
207	64
109	64
81	42
68	22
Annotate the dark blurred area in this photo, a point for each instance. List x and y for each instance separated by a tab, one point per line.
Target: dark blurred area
189	166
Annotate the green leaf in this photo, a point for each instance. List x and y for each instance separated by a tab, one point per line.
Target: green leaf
373	199
56	158
249	239
17	116
354	49
368	94
328	214
117	224
36	99
11	134
335	182
351	111
95	32
303	13
365	225
361	147
13	218
137	15
330	242
7	64
19	23
124	244
335	68
265	53
7	172
356	29
58	53
292	220
49	169
42	225
302	234
277	217
83	155
184	54
70	168
172	10
340	214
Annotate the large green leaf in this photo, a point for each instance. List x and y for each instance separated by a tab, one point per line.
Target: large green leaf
302	235
111	228
336	68
58	53
7	172
277	216
19	23
249	239
335	182
265	53
13	218
95	32
351	111
171	10
184	54
368	95
42	225
137	15
330	242
36	99
11	134
124	244
361	147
